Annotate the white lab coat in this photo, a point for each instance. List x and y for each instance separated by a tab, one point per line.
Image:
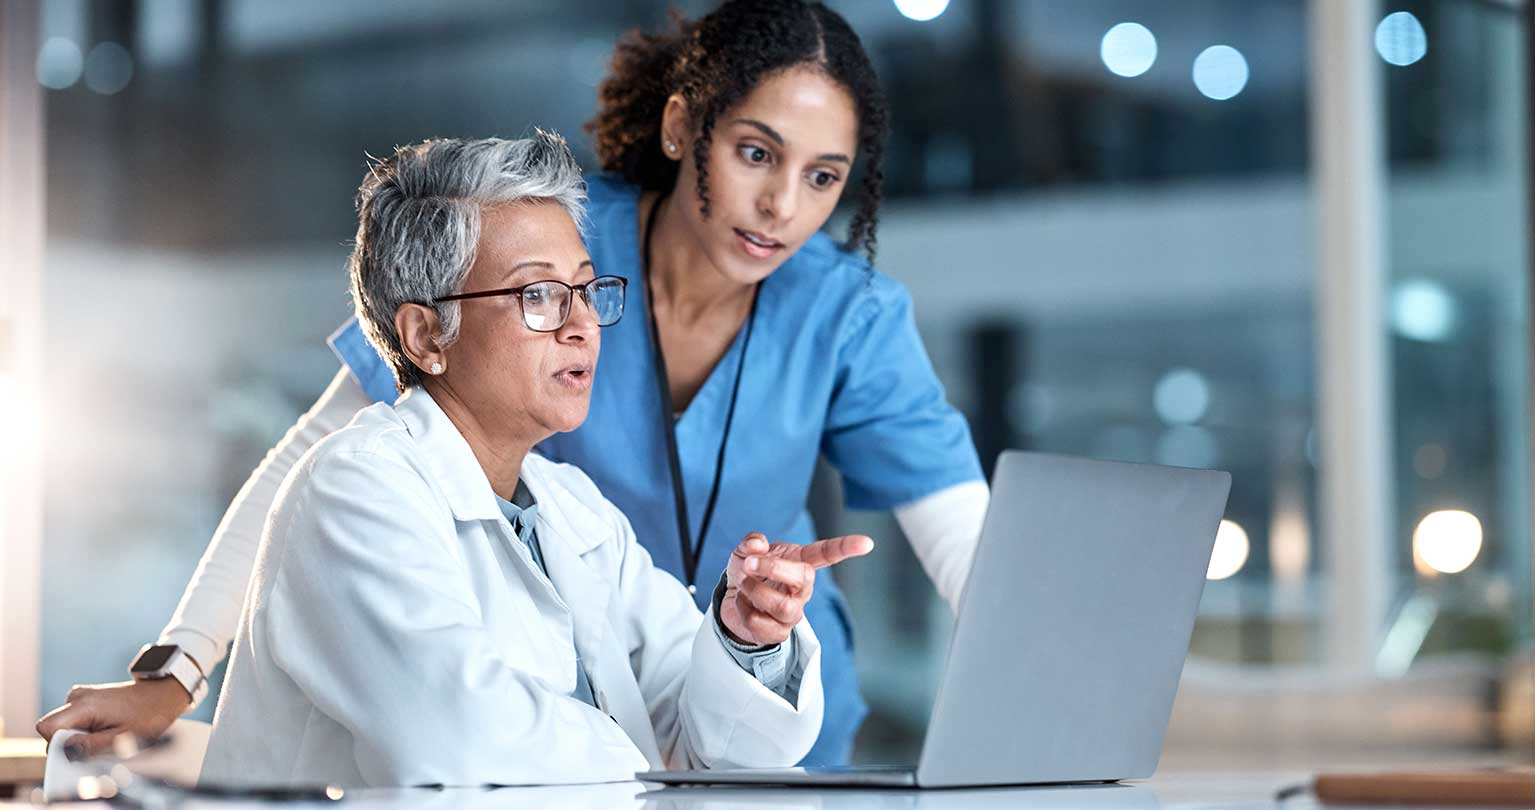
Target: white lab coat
396	632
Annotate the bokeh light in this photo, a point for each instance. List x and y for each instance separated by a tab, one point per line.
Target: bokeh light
108	68
1400	39
1231	548
1220	72
59	64
921	10
1181	397
1423	310
1448	541
1128	49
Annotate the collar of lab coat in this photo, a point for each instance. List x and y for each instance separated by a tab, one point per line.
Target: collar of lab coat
446	453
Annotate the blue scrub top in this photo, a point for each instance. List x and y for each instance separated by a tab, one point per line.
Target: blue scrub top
835	367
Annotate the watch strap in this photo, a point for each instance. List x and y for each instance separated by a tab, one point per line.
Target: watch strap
186	672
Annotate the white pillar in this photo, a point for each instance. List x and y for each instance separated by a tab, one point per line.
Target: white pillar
21	276
1352	353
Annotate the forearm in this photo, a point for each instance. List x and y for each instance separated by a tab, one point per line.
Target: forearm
705	709
943	529
728	718
775	666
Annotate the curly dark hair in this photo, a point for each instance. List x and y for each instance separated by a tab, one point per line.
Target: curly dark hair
714	62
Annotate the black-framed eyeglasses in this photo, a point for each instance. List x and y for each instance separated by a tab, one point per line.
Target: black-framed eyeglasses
546	304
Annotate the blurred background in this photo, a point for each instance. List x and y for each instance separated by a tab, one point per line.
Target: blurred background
1176	232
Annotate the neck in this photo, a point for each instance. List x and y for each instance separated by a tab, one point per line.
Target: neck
685	283
499	454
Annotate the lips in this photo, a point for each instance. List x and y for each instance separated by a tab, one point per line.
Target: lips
577	376
757	245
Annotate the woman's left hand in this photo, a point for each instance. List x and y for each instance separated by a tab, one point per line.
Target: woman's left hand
768	584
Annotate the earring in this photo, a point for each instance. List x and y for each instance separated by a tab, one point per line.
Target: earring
436	368
671	147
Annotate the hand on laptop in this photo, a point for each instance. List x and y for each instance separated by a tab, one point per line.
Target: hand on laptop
768	584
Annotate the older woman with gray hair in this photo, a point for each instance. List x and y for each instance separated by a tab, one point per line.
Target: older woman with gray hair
434	603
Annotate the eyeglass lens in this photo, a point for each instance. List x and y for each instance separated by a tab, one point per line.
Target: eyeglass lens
546	304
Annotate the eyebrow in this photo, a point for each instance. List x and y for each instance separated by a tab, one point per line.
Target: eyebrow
542	265
837	157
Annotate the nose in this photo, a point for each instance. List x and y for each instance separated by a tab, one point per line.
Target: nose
581	325
780	197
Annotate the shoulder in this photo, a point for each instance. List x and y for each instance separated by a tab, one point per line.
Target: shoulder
376	429
823	278
612	211
375	447
605	192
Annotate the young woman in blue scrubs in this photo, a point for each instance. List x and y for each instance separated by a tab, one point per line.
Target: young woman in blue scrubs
752	345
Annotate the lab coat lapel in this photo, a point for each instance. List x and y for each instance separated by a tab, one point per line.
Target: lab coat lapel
566	528
602	651
544	594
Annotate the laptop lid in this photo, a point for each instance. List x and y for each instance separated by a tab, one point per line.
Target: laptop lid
1074	623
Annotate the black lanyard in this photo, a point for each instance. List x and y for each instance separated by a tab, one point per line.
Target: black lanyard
691	548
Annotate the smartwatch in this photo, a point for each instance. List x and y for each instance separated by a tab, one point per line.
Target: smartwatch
156	661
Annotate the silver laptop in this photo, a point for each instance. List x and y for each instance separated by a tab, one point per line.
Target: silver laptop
1071	633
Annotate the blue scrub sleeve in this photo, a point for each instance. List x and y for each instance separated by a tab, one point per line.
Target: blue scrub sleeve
889	430
359	356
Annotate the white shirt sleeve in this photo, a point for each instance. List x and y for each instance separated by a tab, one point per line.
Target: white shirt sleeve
205	620
943	529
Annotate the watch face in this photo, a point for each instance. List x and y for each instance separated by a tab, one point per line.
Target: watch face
153	659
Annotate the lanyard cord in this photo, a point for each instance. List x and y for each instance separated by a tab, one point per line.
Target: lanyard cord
691	548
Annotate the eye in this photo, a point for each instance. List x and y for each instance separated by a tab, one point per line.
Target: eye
533	296
754	154
823	179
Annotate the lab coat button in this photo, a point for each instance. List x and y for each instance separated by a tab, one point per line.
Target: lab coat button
693	589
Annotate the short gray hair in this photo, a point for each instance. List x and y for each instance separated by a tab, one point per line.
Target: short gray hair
418	225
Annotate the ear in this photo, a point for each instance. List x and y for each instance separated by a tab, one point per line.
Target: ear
676	128
418	328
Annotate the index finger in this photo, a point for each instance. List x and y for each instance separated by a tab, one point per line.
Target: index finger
823	553
69	715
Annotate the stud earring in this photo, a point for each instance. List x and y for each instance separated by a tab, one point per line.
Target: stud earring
436	368
671	147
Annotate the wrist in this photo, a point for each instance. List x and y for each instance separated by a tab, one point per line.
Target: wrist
169	662
167	690
726	634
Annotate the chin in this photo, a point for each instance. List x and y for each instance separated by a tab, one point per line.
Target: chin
567	420
746	272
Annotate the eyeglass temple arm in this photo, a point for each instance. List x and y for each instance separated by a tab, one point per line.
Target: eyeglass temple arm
483	294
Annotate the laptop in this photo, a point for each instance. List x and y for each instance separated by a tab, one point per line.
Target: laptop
1071	633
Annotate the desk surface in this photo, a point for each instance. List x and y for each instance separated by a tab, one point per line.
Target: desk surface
1169	790
22	759
1172	791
